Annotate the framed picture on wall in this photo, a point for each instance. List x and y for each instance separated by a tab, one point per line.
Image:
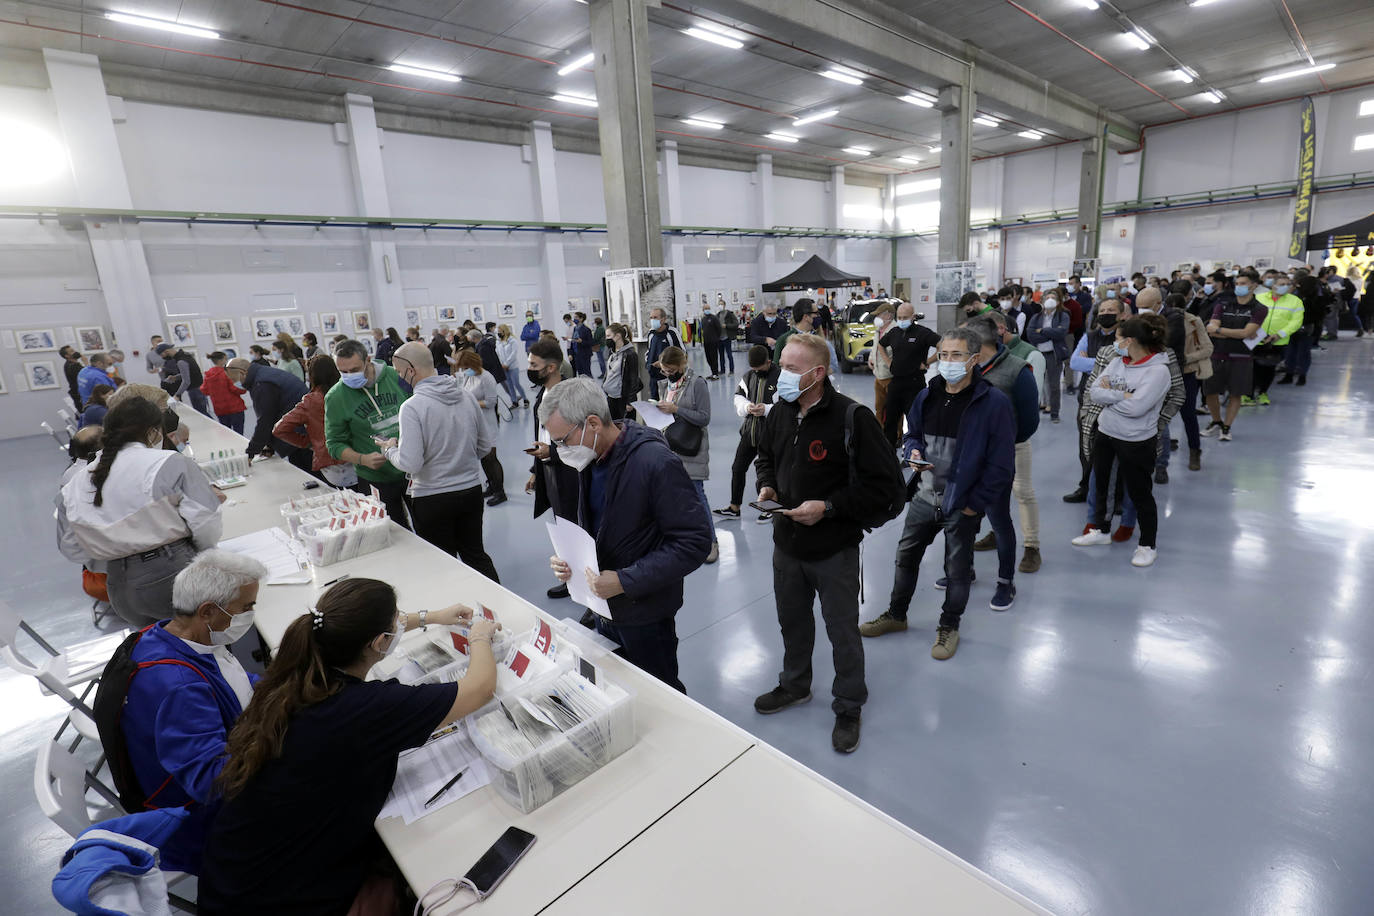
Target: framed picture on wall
222	331
230	352
368	344
506	309
412	318
362	323
262	328
750	294
295	325
575	304
1260	264
705	298
179	333
478	313
595	305
734	296
91	340
532	305
1150	270
40	375
329	323
447	313
688	298
717	296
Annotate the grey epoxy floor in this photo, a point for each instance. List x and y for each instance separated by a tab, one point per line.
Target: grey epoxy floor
1189	738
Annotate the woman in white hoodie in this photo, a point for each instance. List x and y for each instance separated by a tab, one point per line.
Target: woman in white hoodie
1132	390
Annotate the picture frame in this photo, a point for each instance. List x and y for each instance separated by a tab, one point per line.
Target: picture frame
477	313
229	352
36	340
329	323
40	375
1150	270
362	322
412	318
688	298
181	333
575	304
368	344
91	339
222	332
295	325
262	328
532	305
595	305
750	294
446	313
734	297
506	309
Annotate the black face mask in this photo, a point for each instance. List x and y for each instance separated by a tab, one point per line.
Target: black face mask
674	377
536	377
1106	321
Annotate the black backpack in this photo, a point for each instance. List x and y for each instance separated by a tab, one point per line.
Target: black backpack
897	495
108	707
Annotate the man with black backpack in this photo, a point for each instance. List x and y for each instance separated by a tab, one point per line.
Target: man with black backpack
961	438
171	693
823	458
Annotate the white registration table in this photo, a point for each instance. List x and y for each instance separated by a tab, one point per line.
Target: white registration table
699	816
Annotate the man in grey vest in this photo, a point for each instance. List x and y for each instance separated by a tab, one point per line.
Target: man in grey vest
1013	376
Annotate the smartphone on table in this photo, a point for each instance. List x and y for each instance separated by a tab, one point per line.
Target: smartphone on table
498	861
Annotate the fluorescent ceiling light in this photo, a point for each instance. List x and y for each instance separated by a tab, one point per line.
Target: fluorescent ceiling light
782	138
1212	96
909	159
577	64
1182	75
703	122
1289	74
427	74
986	121
1138	40
1031	134
1366	108
163	24
1364	141
707	33
918	187
1201	2
818	116
571	98
857	151
1088	4
843	75
919	99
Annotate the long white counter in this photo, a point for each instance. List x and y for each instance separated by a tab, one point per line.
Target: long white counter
699	816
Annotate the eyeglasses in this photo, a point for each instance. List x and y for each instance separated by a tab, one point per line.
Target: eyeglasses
564	439
951	357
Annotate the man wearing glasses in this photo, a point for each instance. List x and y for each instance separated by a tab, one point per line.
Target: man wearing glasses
961	436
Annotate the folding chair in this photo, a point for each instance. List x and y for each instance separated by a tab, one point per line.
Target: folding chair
61	445
68	420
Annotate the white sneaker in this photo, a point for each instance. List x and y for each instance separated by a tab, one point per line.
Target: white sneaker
1144	556
1094	538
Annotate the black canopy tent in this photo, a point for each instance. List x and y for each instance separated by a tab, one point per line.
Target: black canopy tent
815	273
1357	234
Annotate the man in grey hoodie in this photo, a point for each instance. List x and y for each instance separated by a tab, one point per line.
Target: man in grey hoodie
442	440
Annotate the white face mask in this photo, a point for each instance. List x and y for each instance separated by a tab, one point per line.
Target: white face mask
239	625
579	457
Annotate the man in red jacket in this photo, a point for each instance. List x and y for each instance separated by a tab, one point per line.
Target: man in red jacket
226	398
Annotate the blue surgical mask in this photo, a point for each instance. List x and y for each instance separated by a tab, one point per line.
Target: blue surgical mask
1208	289
469	373
353	379
952	371
789	385
1122	349
1281	290
1111	294
1269	282
903	323
1242	289
655	324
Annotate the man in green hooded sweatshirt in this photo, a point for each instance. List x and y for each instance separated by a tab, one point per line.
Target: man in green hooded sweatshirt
362	407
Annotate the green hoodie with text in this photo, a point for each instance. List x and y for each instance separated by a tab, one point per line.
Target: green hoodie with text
352	416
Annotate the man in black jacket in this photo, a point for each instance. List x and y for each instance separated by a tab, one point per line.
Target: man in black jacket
651	530
274	392
910	344
440	350
491	360
753	400
711	333
766	327
553	484
804	463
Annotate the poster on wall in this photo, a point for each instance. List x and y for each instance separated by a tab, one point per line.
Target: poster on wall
446	313
575	304
506	310
329	323
477	312
230	352
295	325
901	288
362	322
632	293
953	279
595	305
1264	263
40	376
688	298
412	318
1150	270
222	331
179	333
734	297
751	293
1087	268
91	340
532	306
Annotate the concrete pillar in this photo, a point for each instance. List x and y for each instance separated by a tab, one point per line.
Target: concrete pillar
676	250
620	39
83	112
836	220
546	182
1088	237
387	297
956	105
768	247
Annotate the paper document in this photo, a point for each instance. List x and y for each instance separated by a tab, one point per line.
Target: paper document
1252	342
577	548
423	771
652	416
272	547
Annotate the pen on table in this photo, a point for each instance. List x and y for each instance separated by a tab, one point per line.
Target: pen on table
448	785
332	581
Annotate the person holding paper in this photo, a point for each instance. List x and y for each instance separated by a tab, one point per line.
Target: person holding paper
366	405
687	400
312	759
1233	326
753	400
651	529
553	483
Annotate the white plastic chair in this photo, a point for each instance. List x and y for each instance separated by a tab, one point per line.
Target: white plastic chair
47	428
62	783
68	420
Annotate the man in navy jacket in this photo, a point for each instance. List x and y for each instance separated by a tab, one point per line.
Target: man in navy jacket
187	693
961	436
274	393
636	500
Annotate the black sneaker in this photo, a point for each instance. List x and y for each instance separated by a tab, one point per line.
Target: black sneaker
558	591
776	700
1004	597
727	512
764	518
588	619
1077	496
845	737
497	499
941	582
1161	475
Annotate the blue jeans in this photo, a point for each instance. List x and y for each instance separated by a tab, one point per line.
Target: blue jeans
1299	358
517	394
1166	447
1127	507
727	354
999	516
601	359
923	522
233	421
199	401
701	495
651	647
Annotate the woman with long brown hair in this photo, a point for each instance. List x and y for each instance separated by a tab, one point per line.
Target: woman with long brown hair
313	757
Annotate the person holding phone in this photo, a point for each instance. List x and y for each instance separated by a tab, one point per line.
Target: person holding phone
313	757
753	400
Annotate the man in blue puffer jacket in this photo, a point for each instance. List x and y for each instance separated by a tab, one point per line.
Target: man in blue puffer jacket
636	500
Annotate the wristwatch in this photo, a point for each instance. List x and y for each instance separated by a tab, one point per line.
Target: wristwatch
423	615
829	509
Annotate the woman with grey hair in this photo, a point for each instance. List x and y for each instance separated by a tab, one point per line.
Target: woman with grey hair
186	693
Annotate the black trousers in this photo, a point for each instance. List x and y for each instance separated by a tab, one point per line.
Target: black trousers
496	477
745	453
796	585
712	355
453	522
393	494
901	394
1136	465
617	407
651	647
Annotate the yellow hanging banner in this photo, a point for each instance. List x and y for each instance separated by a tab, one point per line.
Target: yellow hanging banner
1307	166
